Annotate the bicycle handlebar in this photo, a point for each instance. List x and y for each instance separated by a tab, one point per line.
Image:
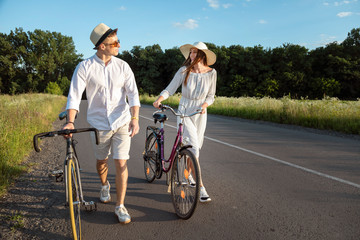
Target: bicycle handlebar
63	132
164	107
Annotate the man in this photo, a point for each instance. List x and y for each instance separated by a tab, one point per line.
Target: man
108	80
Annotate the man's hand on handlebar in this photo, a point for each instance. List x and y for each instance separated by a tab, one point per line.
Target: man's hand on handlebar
70	126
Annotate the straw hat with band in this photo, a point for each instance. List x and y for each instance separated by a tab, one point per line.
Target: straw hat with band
210	55
100	33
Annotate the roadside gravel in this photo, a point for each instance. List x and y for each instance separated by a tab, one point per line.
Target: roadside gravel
34	207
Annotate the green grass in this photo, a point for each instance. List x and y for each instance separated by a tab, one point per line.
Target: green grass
21	117
16	221
326	114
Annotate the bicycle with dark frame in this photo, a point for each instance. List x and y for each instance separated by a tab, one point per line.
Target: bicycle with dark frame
74	198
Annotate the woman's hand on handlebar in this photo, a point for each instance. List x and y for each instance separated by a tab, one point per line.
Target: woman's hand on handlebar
157	104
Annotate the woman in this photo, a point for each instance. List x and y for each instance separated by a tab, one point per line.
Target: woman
198	82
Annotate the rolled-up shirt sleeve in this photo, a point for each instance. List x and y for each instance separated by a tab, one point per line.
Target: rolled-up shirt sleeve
174	84
77	87
210	97
130	87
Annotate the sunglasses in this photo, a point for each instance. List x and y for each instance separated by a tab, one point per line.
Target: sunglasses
114	44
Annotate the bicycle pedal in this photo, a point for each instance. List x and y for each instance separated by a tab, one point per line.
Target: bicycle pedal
57	175
57	172
59	178
90	206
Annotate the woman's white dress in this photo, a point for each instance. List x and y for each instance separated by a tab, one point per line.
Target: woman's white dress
200	88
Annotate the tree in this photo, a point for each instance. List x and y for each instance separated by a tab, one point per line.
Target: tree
29	61
53	88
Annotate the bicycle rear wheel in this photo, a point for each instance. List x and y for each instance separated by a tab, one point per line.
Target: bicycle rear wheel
152	167
184	184
74	199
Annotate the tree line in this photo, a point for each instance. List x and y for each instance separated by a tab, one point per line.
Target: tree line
39	61
43	61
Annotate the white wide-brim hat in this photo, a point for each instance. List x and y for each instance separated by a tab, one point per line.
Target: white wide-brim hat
210	55
100	33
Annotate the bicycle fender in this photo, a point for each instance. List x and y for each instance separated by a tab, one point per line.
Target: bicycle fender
185	147
155	130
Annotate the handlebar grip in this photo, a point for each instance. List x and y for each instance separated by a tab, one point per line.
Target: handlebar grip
97	136
164	107
35	142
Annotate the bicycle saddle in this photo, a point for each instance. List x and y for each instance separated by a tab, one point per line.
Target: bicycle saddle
160	117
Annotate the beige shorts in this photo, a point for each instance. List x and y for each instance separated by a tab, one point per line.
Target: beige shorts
116	142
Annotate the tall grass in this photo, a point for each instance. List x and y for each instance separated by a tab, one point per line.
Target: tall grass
327	114
21	117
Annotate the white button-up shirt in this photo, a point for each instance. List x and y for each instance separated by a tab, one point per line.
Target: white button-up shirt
106	89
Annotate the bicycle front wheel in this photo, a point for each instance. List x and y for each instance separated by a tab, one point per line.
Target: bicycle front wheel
185	184
74	199
152	166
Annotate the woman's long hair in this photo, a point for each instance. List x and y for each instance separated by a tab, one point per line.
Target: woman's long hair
200	56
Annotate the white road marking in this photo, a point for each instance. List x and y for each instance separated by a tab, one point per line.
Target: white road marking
276	160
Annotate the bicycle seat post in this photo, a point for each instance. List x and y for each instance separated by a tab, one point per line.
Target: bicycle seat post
162	125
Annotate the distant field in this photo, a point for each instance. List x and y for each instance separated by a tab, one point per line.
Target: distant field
328	114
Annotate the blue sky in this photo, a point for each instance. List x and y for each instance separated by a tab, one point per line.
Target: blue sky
269	23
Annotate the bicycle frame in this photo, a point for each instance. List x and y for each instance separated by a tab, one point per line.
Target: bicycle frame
71	155
175	148
73	188
177	144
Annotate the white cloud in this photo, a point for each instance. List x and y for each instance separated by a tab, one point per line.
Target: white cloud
324	40
336	4
261	21
122	8
344	14
188	24
339	3
213	4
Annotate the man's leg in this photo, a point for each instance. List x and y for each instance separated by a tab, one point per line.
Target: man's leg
102	169
121	147
121	180
121	186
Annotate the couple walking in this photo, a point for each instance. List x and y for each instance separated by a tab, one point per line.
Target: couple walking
113	105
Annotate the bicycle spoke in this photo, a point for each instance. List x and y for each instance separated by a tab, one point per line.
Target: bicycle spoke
151	155
185	193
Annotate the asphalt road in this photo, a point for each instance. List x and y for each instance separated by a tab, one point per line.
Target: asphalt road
266	182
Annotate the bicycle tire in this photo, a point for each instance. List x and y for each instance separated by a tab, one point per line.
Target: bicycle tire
74	199
184	193
152	166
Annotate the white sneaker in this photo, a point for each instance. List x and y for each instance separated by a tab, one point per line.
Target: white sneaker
122	215
105	196
192	181
204	196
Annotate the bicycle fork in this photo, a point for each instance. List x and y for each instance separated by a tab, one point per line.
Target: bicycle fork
89	206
